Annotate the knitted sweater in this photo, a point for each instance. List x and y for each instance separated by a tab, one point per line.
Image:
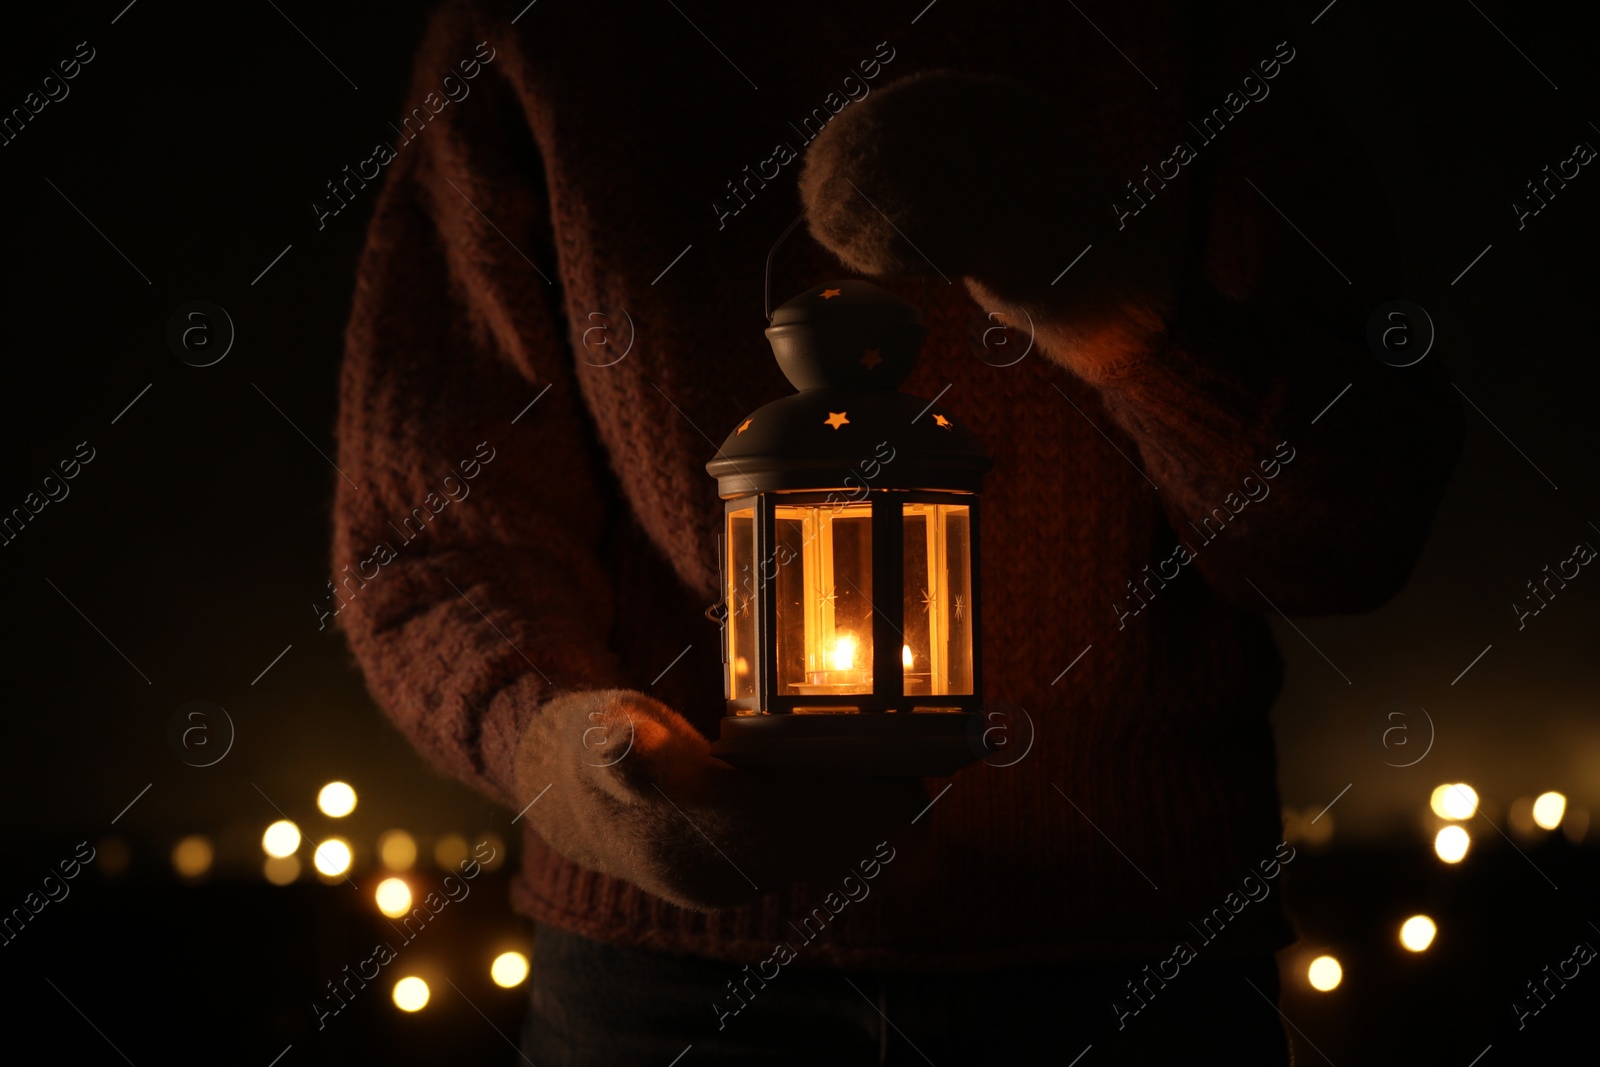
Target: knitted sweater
558	315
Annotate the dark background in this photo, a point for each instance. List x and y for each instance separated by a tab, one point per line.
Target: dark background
196	540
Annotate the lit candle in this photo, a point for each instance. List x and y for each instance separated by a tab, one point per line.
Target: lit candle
842	672
916	682
843	656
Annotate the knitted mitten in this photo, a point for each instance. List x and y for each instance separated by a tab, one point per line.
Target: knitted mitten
626	786
987	181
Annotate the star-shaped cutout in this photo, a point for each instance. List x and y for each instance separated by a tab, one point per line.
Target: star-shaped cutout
835	419
743	426
944	422
960	608
871	358
829	294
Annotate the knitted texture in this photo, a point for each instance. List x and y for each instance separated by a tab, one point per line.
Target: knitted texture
582	164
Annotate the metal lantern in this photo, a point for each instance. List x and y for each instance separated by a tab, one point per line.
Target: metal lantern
850	579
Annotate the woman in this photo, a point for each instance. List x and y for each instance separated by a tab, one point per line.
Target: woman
562	274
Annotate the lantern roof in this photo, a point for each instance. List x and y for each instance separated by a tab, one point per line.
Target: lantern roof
847	346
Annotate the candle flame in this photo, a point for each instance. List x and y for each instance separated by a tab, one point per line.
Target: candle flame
843	656
905	656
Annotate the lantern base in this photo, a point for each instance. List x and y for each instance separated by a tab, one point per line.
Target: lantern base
880	745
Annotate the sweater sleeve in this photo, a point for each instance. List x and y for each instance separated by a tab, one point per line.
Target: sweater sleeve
471	504
1264	372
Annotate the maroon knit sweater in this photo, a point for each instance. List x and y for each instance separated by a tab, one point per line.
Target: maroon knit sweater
593	150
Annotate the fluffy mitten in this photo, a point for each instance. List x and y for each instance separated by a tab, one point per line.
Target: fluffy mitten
628	787
991	182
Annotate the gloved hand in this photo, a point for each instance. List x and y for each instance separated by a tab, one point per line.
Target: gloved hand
987	181
634	792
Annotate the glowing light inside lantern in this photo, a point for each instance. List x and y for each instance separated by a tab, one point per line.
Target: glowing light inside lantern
824	616
843	656
905	656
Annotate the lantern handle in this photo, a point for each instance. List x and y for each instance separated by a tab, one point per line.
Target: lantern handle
771	253
766	303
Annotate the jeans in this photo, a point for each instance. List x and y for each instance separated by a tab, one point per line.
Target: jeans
594	1004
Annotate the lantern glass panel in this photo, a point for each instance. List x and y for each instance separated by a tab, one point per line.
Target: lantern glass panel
741	603
822	596
937	653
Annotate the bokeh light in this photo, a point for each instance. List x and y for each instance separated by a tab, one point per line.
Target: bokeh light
1324	974
1451	844
1454	800
509	969
333	857
336	799
1417	933
282	838
192	856
393	897
1548	809
281	870
449	850
1312	827
397	850
410	994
